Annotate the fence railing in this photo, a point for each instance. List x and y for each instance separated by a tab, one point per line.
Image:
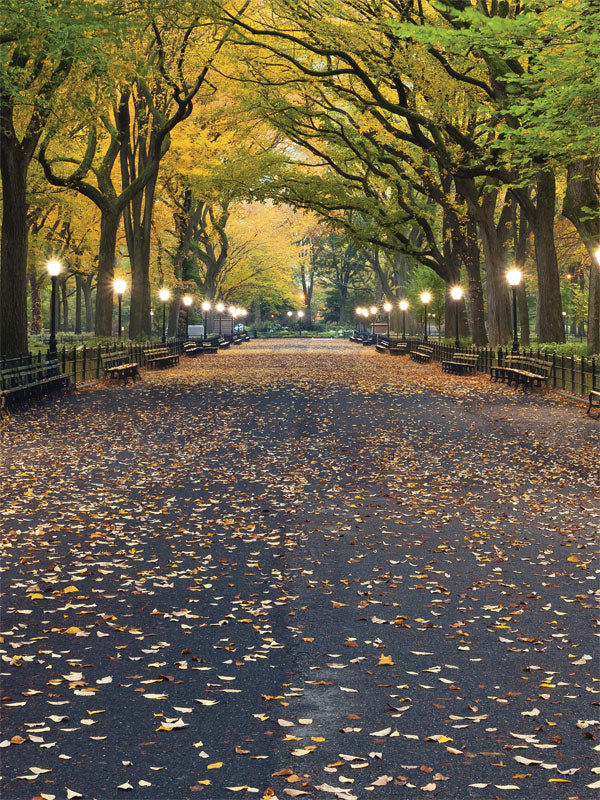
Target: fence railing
571	374
85	363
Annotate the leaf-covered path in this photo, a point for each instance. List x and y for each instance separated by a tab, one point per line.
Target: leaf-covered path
300	569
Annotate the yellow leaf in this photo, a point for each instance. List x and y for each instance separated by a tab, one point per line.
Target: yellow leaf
572	558
385	661
216	765
205	783
73	629
69	589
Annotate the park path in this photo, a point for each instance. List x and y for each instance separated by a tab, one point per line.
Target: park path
300	569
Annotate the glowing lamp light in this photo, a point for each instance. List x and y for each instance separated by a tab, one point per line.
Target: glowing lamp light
403	305
187	300
425	298
206	306
300	314
373	310
456	293
164	295
220	308
513	276
54	268
289	313
387	307
597	254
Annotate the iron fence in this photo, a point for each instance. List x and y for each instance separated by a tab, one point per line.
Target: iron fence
85	363
573	374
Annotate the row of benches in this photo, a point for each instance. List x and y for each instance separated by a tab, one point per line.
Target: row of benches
30	381
520	370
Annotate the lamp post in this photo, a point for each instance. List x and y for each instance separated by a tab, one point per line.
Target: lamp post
403	308
220	308
164	295
565	326
187	302
54	269
119	287
513	276
205	309
300	315
425	299
456	294
387	307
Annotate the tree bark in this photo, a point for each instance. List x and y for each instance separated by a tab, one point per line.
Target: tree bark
551	325
64	305
472	264
13	275
109	226
89	306
581	198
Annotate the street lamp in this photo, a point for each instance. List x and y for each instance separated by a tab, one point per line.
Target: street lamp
513	276
220	309
205	309
119	287
403	309
300	315
387	307
187	302
54	269
425	299
373	311
456	294
165	296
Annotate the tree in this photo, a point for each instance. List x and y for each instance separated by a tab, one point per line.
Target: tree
39	46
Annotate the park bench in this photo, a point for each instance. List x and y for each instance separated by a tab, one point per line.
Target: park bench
238	339
422	354
370	341
461	363
594	400
358	337
117	365
223	343
27	381
192	349
382	345
209	346
161	358
522	370
398	349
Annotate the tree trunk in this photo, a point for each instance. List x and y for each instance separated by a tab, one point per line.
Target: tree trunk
89	306
551	325
343	291
521	233
138	242
36	301
109	226
78	293
476	304
13	250
580	203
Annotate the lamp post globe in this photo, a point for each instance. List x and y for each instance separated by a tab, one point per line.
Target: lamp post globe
403	309
54	269
425	299
300	315
513	276
456	294
165	296
220	308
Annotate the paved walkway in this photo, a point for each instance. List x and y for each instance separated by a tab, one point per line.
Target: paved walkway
300	569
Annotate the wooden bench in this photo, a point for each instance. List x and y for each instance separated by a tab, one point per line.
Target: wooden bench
223	343
594	400
28	381
461	363
399	349
369	342
161	358
192	349
117	365
422	354
523	371
209	346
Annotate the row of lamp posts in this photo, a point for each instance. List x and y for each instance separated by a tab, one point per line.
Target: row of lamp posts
300	315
